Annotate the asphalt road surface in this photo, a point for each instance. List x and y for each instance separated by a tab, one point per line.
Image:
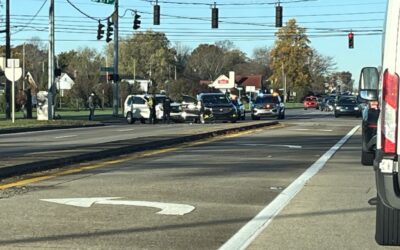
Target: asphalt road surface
195	196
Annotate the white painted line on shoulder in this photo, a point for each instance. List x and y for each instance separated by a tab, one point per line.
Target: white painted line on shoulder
65	136
125	130
249	232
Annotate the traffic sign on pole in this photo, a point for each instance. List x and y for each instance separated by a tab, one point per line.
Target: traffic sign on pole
107	69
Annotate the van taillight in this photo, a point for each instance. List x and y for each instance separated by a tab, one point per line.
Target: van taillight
390	103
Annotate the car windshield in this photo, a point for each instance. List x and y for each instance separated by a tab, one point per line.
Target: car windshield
266	99
215	99
309	99
188	99
347	100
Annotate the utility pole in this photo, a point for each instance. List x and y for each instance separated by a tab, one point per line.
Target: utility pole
8	56
115	75
284	85
51	87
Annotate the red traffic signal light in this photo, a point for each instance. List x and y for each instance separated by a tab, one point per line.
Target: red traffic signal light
351	40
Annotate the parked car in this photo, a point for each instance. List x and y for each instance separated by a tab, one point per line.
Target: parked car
190	109
136	108
310	102
217	106
267	105
347	105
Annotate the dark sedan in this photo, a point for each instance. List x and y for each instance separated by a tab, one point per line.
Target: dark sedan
347	105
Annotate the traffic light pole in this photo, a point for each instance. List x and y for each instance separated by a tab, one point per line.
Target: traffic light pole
115	73
8	56
51	87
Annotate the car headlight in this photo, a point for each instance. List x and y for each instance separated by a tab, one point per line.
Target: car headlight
191	106
356	108
337	107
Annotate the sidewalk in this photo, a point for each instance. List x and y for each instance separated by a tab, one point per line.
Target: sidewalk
331	211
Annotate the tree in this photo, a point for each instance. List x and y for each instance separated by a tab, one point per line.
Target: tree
207	62
146	55
291	55
36	61
84	65
320	67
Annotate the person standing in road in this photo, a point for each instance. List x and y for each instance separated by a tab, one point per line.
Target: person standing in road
91	105
167	110
151	103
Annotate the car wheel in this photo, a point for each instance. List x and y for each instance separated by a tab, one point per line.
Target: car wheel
387	230
233	120
367	158
305	108
129	118
336	115
142	120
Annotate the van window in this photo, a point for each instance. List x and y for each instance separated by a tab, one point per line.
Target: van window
138	100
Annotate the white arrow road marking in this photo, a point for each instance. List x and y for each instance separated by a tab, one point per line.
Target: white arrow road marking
272	145
166	208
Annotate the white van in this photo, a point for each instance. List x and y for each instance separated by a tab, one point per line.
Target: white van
136	108
386	155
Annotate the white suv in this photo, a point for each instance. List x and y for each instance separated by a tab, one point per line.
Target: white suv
136	108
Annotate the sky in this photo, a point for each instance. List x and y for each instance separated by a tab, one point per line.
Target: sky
248	24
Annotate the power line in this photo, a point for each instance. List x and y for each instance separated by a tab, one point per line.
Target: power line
34	16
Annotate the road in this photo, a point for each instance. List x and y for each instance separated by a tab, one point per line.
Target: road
222	183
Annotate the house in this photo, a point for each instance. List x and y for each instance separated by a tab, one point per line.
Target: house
64	83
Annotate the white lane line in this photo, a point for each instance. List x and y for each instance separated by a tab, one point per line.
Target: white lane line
271	145
308	129
65	136
249	232
125	130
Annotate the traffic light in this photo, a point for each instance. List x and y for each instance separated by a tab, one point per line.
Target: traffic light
136	21
100	31
214	17
351	40
110	30
156	15
278	16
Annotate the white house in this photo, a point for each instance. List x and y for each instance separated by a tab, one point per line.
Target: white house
64	82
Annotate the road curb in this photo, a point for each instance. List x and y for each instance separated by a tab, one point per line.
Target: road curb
43	128
117	148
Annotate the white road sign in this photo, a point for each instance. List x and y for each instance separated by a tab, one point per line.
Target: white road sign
166	208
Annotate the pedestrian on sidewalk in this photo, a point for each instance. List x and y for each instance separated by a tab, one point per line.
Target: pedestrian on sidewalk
91	105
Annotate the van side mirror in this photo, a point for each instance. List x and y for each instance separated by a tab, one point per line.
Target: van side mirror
368	84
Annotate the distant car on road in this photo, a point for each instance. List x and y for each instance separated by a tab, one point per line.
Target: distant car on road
310	102
347	105
267	105
217	106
